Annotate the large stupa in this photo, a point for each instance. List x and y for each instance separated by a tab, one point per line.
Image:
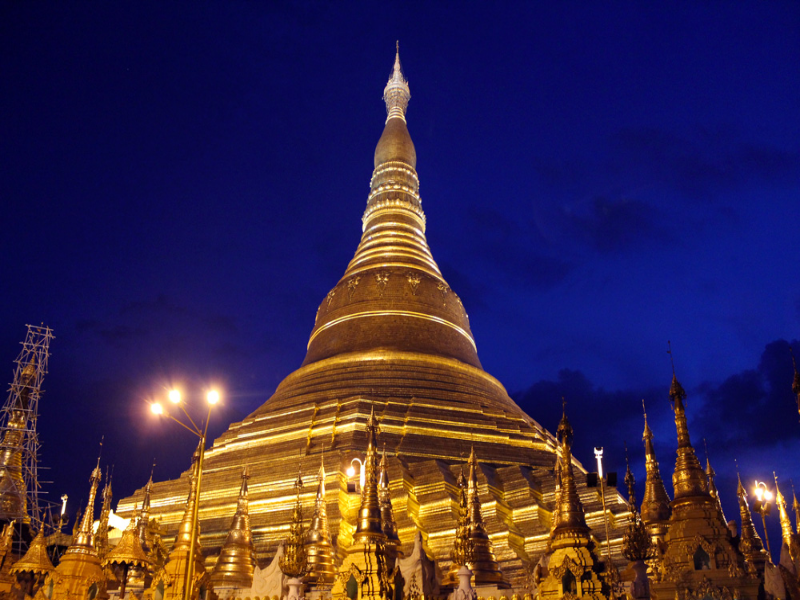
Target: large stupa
393	337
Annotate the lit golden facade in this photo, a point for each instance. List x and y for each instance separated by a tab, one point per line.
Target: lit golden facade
573	567
392	335
236	562
127	554
699	557
462	552
79	575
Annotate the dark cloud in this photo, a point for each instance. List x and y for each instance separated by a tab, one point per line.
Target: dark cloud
612	225
747	405
705	162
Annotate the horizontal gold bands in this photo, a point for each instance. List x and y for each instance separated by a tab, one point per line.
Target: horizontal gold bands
394	313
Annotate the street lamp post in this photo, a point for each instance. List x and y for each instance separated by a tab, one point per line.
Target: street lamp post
175	397
762	507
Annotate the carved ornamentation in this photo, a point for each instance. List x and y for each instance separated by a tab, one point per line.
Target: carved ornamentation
382	279
413	280
352	284
331	294
443	289
568	565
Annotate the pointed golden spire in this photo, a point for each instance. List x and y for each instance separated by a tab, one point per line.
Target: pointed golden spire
484	567
369	515
655	504
83	541
183	538
236	562
36	559
786	523
397	93
688	479
463	549
712	486
630	482
796	509
388	524
569	510
750	543
319	551
145	518
101	535
293	563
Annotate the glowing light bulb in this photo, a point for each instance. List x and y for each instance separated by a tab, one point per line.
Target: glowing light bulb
212	397
351	471
157	408
174	396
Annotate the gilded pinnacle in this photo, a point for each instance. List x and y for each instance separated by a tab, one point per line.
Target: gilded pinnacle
396	94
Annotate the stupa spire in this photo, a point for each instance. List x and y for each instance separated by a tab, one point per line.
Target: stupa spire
462	553
319	552
712	486
145	517
569	510
484	567
750	545
796	509
387	516
396	94
369	515
655	503
84	539
688	479
236	562
630	482
293	563
101	536
786	523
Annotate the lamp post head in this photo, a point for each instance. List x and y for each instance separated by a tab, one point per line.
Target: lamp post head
156	408
212	397
174	396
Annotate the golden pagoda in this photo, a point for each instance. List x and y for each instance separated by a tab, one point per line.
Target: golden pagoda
637	543
366	572
79	575
319	551
32	569
236	562
655	509
790	539
127	554
700	559
392	336
712	488
573	568
750	544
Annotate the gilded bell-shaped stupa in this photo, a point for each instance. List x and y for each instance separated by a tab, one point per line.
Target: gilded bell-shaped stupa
128	554
394	336
32	569
236	562
699	553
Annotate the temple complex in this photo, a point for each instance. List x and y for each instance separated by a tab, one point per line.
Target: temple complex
431	482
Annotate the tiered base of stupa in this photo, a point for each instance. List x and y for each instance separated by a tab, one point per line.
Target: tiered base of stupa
431	410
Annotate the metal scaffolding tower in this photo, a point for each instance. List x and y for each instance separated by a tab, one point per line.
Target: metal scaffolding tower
19	440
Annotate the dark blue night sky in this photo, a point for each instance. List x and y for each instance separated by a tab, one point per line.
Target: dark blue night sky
182	183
